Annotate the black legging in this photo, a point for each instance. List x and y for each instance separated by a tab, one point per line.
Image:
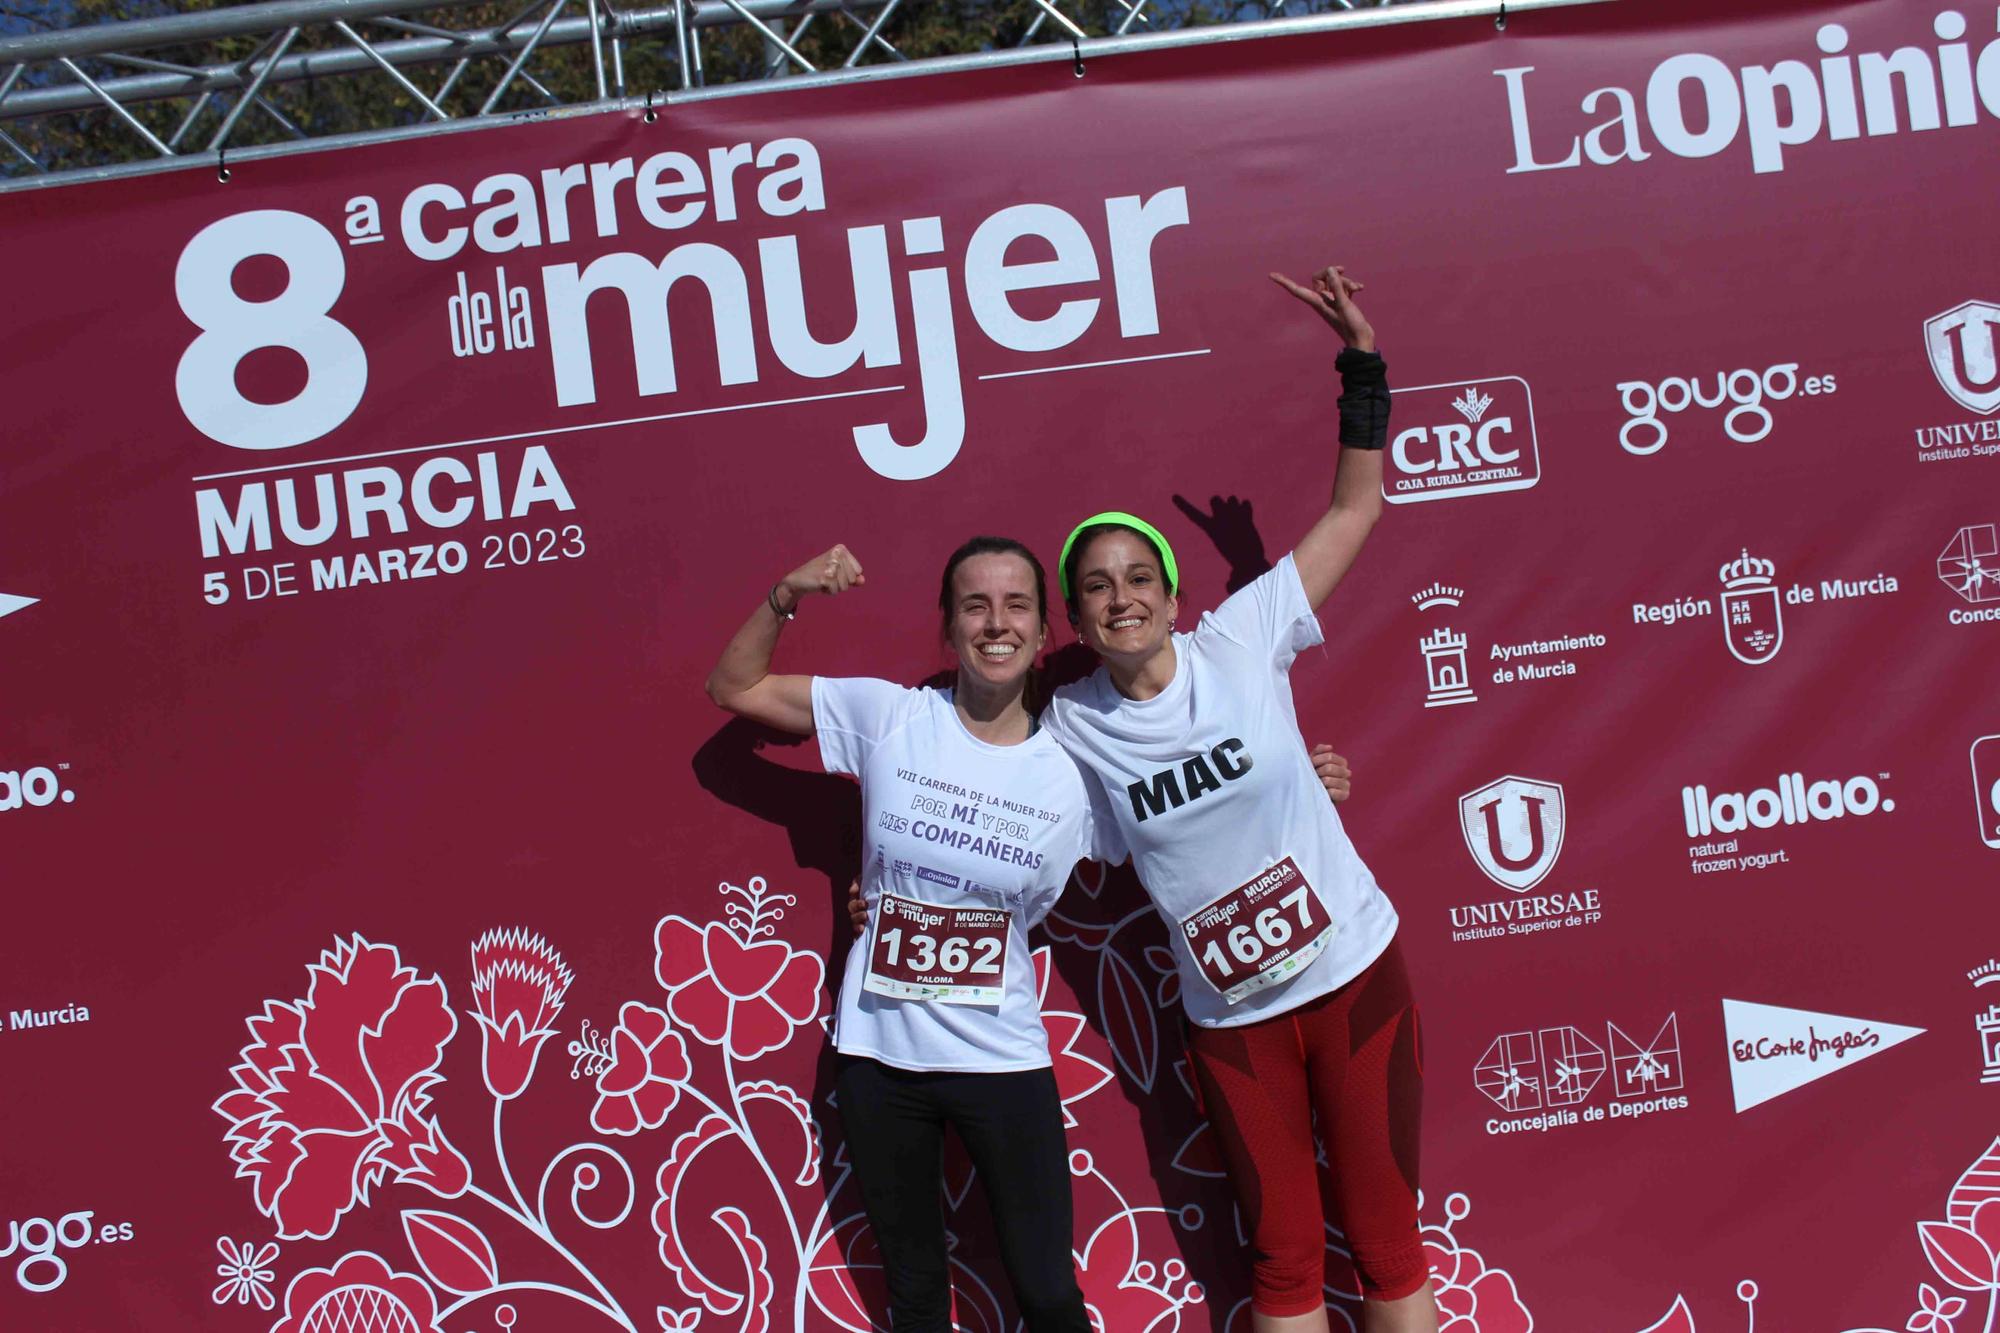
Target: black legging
1012	1126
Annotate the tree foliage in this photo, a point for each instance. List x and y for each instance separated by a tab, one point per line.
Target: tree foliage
371	100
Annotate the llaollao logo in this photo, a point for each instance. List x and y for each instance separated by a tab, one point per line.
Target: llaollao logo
33	788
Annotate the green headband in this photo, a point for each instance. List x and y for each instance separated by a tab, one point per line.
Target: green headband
1115	518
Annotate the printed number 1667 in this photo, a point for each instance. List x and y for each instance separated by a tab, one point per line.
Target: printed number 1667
1271	930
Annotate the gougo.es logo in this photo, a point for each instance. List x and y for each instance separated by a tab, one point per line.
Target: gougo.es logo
40	1243
1743	395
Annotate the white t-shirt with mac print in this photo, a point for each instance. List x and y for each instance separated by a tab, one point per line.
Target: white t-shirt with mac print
950	821
1212	788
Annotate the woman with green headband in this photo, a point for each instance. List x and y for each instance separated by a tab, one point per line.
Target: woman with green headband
1300	1006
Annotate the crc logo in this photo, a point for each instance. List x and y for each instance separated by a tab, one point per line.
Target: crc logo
1753	618
37	787
1476	437
1514	828
1559	1067
1961	347
1986	788
1743	392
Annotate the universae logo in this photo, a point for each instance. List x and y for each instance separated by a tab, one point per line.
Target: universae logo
1513	827
1961	348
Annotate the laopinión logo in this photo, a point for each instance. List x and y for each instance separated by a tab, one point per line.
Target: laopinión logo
1447	670
1714	820
1743	395
1513	827
1773	1050
1695	106
40	1243
34	788
1548	1079
1473	437
1969	565
1753	604
1965	358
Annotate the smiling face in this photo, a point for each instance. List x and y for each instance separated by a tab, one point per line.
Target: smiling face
995	621
1124	609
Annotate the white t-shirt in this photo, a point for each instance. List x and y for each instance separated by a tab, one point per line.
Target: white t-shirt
952	822
1211	787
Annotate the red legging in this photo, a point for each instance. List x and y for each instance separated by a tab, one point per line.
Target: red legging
1353	1059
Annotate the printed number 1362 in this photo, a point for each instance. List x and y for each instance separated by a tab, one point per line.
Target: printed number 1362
954	955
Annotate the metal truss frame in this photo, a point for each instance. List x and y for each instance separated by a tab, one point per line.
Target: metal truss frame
44	75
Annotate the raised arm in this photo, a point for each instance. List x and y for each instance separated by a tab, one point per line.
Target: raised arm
742	681
1330	546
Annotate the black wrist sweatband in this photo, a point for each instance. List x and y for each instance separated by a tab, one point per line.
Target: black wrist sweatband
1364	399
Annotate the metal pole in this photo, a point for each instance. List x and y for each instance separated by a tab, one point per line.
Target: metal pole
250	93
597	49
394	73
870	36
681	43
472	45
487	107
207	25
116	109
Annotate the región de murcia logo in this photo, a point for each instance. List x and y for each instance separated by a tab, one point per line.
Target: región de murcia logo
1753	604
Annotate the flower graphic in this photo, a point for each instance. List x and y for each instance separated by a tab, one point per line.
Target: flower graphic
728	985
639	1071
246	1273
1934	1315
1966	1254
332	1091
518	983
1471	1297
359	1294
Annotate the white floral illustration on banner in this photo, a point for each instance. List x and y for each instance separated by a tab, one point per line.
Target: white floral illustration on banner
334	1111
246	1273
337	1113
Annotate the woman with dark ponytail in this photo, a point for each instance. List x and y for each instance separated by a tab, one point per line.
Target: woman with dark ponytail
973	820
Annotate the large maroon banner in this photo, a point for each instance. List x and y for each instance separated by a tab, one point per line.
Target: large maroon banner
397	939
